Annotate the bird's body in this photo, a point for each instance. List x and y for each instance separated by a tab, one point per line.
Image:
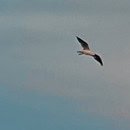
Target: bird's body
87	51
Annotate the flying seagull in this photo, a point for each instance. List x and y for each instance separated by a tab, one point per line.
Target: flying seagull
87	51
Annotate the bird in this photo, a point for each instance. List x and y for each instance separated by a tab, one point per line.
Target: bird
86	51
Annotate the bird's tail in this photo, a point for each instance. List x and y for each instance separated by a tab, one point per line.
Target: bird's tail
80	52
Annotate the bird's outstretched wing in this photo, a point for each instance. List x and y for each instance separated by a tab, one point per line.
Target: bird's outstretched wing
83	43
97	57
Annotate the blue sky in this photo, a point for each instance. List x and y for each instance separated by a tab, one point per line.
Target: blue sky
44	84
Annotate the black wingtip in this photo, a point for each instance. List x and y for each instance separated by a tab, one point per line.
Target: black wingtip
97	57
77	37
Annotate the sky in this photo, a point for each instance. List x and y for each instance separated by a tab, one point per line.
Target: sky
45	84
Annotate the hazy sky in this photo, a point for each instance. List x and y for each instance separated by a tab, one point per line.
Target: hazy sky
44	84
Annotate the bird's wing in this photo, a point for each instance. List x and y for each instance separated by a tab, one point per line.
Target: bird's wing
97	57
83	43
